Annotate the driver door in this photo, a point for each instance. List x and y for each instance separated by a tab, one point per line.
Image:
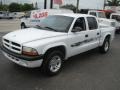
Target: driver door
76	41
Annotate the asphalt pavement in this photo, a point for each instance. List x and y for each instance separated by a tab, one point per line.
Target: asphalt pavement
87	71
9	25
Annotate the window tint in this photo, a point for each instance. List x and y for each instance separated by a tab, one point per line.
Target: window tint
92	23
80	22
93	13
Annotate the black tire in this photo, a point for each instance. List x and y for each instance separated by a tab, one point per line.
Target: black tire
48	63
23	26
106	46
118	31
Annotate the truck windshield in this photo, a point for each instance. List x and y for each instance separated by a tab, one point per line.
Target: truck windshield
101	15
56	23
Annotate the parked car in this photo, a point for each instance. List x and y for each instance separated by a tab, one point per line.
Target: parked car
116	16
34	17
19	15
6	15
57	38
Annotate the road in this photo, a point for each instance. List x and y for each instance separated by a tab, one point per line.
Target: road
9	25
87	71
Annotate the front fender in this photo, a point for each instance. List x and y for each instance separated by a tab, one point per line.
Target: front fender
46	48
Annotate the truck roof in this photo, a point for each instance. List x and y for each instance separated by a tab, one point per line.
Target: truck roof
76	15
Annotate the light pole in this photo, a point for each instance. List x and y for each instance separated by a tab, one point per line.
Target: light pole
51	4
104	4
77	6
45	4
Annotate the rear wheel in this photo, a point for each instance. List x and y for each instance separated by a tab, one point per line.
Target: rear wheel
52	63
23	26
106	45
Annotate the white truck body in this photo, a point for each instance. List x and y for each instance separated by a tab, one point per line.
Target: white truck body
85	4
116	17
45	39
34	17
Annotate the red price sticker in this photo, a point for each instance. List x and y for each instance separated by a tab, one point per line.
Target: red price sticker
40	15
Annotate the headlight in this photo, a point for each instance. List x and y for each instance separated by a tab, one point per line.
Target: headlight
29	51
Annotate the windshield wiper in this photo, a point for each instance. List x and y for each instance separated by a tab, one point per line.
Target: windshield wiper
50	28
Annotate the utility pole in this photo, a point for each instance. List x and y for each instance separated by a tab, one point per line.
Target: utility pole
77	6
51	4
36	5
45	4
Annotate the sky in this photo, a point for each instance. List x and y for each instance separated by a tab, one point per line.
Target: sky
82	4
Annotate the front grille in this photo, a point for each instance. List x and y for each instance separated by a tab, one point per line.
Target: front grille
12	46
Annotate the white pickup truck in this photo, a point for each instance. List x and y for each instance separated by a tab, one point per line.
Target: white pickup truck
116	16
102	18
57	38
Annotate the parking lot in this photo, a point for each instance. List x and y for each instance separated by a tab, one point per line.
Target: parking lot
87	71
9	25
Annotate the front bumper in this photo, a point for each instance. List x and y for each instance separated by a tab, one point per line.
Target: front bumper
22	60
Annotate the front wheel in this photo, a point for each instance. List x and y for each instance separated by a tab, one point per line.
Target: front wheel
52	63
106	46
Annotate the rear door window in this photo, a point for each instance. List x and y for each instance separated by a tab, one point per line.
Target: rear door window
92	23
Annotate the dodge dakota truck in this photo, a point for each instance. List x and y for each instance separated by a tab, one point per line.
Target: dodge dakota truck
54	40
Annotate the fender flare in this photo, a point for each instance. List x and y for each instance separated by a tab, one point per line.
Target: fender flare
53	45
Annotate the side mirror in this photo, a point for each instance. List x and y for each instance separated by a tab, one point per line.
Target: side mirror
77	29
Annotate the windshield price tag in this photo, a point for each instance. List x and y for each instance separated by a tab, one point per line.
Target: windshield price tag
40	15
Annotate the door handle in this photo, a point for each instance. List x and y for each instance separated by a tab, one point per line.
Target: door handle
86	35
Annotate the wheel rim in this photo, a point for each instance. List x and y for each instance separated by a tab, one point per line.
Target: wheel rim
55	64
106	46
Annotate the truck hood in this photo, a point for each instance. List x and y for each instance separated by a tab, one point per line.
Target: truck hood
30	34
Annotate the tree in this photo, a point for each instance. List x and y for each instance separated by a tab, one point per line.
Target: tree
69	6
3	7
27	7
14	7
113	2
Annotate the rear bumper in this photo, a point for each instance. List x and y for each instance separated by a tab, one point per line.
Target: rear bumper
26	61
